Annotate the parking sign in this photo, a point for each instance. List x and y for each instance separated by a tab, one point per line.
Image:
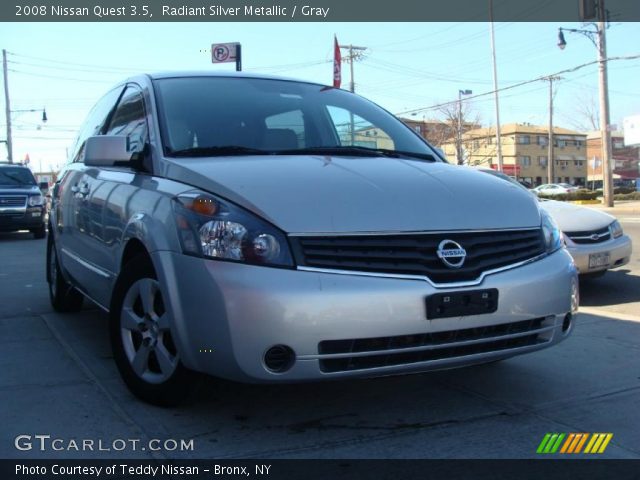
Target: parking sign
224	52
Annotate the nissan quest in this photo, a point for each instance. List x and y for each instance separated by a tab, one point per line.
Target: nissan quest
262	229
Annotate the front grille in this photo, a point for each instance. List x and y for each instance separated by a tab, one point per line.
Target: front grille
415	254
423	347
13	201
590	236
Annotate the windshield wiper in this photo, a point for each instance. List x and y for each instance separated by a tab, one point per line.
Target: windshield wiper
357	151
217	151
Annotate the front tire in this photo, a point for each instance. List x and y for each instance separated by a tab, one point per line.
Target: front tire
63	297
141	339
39	232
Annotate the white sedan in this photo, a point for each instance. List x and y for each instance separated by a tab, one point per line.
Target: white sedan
554	189
594	239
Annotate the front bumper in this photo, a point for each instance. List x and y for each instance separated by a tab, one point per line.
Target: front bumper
619	250
227	315
25	219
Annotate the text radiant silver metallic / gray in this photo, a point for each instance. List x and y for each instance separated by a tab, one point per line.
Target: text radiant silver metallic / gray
269	230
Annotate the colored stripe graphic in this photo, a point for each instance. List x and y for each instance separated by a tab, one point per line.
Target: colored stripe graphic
605	443
568	442
543	443
550	443
582	440
573	443
593	439
598	442
556	445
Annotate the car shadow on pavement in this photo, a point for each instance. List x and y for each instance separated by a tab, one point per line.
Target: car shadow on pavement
615	287
22	235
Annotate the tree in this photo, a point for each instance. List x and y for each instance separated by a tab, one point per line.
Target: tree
586	113
459	119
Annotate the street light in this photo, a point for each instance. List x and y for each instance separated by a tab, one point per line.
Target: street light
459	132
598	38
561	41
44	113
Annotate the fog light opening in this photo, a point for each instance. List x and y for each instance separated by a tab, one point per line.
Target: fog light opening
279	358
566	324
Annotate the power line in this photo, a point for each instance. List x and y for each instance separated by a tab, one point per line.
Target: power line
32	74
516	85
59	62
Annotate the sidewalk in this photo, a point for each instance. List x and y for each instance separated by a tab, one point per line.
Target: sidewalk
621	207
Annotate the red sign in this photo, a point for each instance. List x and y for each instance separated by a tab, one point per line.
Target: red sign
337	64
512	170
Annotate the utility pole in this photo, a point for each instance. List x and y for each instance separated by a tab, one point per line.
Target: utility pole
352	56
7	107
352	84
495	89
605	130
550	160
459	155
589	10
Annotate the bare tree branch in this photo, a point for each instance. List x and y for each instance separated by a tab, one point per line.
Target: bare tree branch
469	119
586	113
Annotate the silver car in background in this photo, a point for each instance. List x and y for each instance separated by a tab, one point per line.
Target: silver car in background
270	230
594	239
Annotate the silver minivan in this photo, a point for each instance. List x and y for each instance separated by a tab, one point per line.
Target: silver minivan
268	230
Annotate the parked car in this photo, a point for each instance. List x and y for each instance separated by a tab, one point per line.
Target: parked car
594	239
22	205
270	230
554	189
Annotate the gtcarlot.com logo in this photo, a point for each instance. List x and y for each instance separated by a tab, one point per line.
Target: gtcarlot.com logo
574	443
48	443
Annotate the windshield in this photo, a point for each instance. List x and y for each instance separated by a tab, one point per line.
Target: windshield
208	116
16	176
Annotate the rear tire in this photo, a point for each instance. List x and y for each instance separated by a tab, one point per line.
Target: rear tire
63	297
140	330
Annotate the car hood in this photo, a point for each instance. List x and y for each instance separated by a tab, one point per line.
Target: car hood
574	218
325	194
19	189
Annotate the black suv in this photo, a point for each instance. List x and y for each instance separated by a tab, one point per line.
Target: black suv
22	205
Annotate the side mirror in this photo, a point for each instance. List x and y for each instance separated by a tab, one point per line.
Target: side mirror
107	151
44	186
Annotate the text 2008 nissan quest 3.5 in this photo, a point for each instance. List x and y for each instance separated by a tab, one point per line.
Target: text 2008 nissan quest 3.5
268	230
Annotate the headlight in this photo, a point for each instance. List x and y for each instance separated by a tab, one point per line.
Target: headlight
35	200
616	229
551	232
214	228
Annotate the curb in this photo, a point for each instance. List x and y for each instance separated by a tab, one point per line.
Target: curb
585	202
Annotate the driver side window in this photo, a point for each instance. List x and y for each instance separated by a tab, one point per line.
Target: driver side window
130	120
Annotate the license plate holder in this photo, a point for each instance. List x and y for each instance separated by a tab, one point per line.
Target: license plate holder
460	304
601	259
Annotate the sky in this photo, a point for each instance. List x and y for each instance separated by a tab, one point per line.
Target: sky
66	67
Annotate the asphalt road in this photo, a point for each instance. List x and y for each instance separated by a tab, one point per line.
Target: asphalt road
57	378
